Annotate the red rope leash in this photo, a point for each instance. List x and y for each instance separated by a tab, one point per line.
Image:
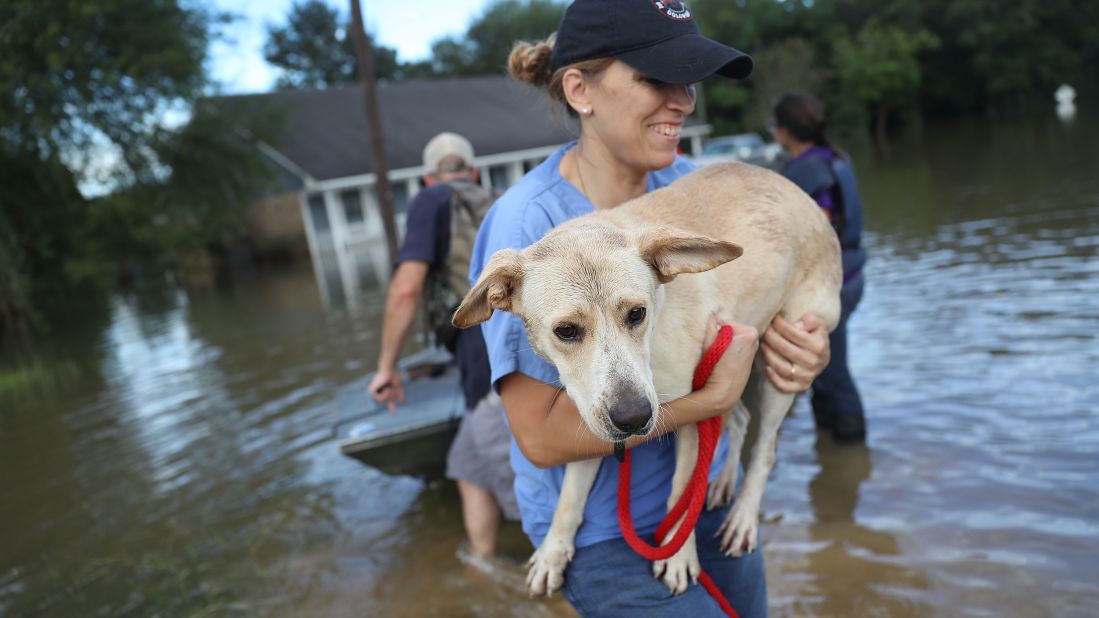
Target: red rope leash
689	505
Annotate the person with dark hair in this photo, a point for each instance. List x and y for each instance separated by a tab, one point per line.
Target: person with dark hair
826	174
625	70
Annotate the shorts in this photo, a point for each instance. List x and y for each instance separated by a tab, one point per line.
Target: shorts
480	453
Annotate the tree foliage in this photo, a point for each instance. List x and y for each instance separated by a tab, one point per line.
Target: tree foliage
879	67
790	64
78	74
80	81
883	60
86	90
314	50
996	54
216	171
487	42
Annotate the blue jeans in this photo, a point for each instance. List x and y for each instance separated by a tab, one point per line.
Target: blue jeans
610	579
834	390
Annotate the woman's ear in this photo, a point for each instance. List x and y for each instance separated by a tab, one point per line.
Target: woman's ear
577	90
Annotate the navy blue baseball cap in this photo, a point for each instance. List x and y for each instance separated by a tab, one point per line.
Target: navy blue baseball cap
659	38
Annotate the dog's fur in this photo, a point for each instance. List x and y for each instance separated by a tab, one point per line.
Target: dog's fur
589	274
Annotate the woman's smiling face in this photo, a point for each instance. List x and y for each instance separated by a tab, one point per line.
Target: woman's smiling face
636	119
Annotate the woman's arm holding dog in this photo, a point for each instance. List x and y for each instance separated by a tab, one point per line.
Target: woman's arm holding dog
550	432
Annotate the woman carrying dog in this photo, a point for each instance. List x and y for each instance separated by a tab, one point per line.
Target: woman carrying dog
826	174
625	69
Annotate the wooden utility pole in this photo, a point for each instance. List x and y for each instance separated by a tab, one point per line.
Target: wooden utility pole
364	52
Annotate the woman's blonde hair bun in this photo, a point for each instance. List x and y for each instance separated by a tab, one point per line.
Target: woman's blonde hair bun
529	61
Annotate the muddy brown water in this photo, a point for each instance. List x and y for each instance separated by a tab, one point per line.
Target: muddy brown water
171	453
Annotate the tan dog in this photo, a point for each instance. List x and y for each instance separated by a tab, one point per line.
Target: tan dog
601	301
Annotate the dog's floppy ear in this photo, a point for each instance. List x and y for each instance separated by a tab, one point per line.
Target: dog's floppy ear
672	252
493	289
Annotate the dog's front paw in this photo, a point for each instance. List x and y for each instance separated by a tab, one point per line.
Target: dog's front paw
722	488
546	568
739	531
681	568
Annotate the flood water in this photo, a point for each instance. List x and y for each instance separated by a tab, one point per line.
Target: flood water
171	453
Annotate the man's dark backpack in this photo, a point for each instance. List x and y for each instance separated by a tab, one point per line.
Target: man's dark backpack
450	283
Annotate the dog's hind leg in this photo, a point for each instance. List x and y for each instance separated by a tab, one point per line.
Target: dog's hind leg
738	533
546	568
683	566
722	488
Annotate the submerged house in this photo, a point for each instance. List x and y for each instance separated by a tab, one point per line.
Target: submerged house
325	151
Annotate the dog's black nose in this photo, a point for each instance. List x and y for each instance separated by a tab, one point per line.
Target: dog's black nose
631	414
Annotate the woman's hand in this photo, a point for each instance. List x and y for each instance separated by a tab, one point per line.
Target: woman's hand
795	353
726	384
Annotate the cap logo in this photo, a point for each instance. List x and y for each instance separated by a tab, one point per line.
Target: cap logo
672	9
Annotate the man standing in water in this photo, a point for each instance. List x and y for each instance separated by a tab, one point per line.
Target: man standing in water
441	228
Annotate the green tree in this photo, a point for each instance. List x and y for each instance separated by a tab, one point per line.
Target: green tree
790	64
1005	53
313	49
80	82
216	171
41	213
85	93
880	68
763	29
74	75
486	44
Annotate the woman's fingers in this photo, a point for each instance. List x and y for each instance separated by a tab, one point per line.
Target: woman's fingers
784	373
795	353
811	322
815	341
726	382
798	333
786	350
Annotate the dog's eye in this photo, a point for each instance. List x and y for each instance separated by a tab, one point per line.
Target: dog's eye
567	332
636	316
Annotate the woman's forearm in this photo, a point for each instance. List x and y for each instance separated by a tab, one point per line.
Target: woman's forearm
550	432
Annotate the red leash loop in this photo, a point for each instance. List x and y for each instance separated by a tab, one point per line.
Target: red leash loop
689	505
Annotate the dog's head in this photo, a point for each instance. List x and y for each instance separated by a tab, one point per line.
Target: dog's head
588	294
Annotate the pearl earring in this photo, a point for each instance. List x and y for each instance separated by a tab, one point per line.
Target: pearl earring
586	111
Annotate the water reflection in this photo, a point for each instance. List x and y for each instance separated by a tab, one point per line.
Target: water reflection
858	570
168	486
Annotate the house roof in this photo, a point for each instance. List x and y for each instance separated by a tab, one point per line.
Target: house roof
326	133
